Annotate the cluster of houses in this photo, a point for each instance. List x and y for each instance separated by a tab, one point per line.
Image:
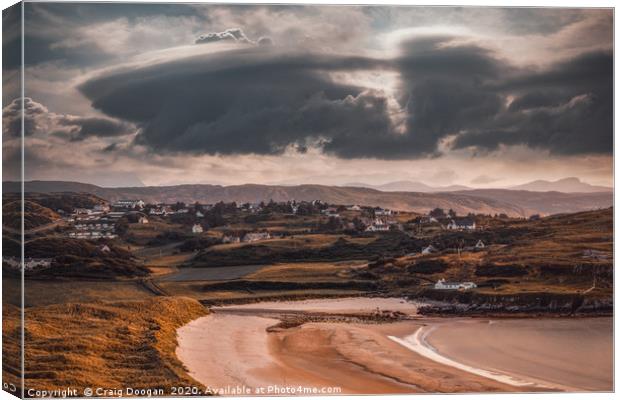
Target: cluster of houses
378	225
442	284
449	223
461	224
95	223
249	237
129	204
163	210
30	264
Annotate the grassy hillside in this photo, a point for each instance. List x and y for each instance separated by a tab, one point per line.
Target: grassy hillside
78	258
110	345
35	215
564	254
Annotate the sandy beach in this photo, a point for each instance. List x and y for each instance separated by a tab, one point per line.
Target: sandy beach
227	349
561	353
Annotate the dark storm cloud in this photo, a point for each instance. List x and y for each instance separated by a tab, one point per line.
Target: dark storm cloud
261	100
567	108
83	127
248	101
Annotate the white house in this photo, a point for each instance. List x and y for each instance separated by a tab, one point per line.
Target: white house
442	284
428	250
197	228
230	239
199	214
461	224
382	212
256	236
331	212
37	263
104	248
378	225
480	244
116	214
354	207
129	204
143	220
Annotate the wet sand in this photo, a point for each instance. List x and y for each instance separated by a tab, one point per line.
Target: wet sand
565	354
228	349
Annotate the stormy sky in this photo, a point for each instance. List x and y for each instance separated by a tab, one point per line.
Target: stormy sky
130	94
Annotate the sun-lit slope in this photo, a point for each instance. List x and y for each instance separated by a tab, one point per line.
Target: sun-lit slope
112	345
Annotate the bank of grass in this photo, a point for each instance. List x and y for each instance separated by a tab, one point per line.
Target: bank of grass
110	345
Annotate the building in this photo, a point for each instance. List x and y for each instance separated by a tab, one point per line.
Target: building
331	212
480	244
382	212
428	250
378	225
161	210
104	248
143	220
230	239
199	214
197	228
131	204
461	224
256	236
442	284
116	214
354	207
30	264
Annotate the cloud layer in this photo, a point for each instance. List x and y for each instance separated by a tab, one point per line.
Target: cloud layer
263	101
285	93
39	121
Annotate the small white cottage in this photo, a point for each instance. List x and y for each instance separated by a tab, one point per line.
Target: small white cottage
429	249
442	284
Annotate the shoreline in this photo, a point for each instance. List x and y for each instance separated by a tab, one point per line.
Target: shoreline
417	343
304	342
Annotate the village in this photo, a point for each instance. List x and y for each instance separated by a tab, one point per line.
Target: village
138	226
100	220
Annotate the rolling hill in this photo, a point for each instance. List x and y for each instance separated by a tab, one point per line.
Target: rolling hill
566	185
409	186
487	201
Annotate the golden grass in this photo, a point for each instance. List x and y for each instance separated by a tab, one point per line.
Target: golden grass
111	345
42	293
170	260
287	243
298	272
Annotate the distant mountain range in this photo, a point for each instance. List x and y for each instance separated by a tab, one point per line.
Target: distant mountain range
410	186
487	201
566	185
